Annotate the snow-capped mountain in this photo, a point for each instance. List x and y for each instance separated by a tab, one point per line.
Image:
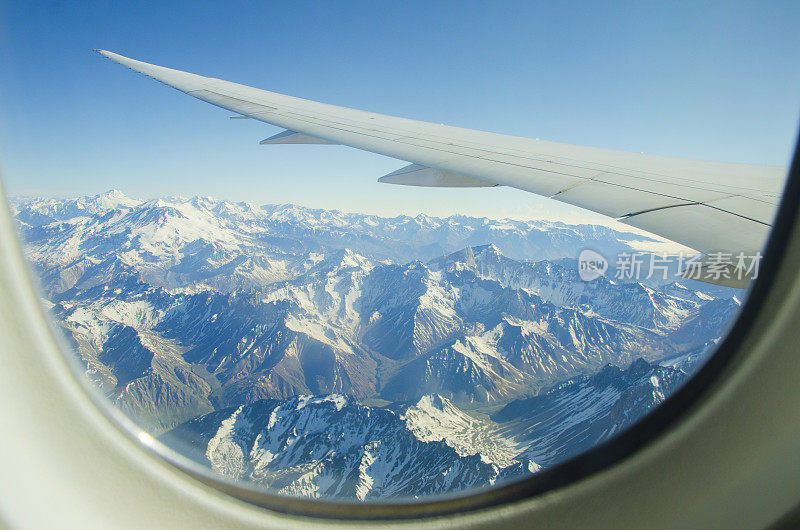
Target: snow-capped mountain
330	447
435	418
397	332
216	313
177	242
583	412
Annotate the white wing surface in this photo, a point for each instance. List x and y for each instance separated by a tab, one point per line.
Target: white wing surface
708	206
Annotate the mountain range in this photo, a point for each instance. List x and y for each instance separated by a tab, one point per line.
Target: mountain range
468	344
331	446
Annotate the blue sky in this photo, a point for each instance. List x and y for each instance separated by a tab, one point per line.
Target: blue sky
707	80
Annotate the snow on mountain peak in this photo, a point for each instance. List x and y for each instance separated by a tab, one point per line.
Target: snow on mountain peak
114	194
435	418
306	447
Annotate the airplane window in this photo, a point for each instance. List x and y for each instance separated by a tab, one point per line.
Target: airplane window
277	318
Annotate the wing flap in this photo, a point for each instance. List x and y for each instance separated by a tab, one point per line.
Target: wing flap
614	201
757	210
703	228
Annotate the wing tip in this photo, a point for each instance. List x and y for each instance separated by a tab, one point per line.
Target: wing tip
117	58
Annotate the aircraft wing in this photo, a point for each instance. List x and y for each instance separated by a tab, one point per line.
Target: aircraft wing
708	206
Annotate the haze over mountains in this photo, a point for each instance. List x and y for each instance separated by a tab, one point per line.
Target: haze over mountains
323	353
